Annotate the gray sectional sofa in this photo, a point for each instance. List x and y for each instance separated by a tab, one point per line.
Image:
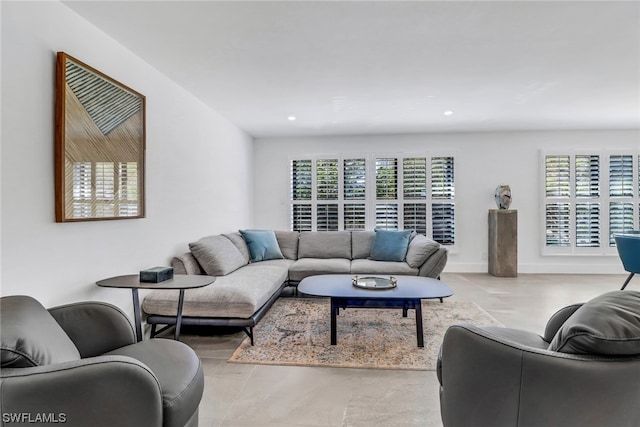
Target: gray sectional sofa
245	289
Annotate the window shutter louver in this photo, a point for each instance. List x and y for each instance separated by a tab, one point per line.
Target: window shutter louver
82	194
587	176
558	224
415	217
327	179
354	216
386	179
621	176
557	176
327	217
442	220
301	218
301	180
414	178
588	225
354	179
620	219
387	216
442	178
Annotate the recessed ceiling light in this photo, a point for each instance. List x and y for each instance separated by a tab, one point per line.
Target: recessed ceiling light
291	118
448	113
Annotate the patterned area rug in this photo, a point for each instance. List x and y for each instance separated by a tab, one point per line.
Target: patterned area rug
296	331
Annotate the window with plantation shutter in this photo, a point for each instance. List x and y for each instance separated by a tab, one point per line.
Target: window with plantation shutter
588	199
367	191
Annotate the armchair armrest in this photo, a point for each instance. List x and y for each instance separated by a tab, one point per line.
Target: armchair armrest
94	327
488	378
84	393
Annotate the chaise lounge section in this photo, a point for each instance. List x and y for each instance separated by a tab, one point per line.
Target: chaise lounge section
253	267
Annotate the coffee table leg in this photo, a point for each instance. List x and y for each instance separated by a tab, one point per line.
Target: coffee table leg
419	331
136	314
334	313
179	315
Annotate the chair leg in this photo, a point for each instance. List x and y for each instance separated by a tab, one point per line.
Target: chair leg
626	282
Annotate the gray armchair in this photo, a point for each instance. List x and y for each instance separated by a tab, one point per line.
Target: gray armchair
584	371
80	364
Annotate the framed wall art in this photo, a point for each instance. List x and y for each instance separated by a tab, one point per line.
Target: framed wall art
99	145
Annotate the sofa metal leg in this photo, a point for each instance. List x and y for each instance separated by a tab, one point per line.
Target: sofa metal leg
249	332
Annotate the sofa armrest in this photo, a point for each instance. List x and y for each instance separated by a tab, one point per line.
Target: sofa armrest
102	391
186	263
94	327
434	265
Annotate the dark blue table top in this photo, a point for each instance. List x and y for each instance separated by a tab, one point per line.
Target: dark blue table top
340	286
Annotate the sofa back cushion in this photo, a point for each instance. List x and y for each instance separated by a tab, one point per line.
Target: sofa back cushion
217	255
361	242
607	325
31	336
325	244
288	241
237	239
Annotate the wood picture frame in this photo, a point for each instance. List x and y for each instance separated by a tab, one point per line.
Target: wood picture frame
99	145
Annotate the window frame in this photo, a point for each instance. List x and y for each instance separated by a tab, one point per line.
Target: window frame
370	200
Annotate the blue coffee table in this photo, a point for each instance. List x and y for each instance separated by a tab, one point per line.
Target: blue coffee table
407	295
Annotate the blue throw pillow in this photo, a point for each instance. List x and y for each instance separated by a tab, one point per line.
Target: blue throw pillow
390	245
262	244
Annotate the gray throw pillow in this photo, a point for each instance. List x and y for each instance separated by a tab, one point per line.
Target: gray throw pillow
217	255
420	249
606	325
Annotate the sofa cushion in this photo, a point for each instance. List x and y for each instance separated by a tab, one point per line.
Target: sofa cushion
288	242
237	239
421	248
238	294
312	266
31	336
367	266
262	244
390	245
361	242
606	325
325	244
217	255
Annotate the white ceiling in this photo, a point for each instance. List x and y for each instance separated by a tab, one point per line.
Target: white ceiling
373	67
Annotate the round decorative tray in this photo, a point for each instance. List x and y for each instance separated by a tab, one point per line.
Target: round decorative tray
374	282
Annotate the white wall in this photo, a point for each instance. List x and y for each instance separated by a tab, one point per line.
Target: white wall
198	177
483	160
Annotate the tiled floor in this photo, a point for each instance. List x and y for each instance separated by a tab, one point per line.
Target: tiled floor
268	396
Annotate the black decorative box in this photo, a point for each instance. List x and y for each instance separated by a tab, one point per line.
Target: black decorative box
156	274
